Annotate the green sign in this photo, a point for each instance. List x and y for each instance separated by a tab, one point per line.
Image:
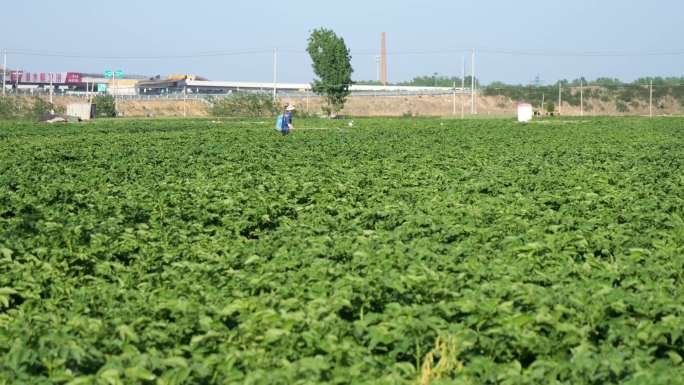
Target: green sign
101	88
111	74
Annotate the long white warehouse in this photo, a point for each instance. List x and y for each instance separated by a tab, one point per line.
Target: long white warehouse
206	86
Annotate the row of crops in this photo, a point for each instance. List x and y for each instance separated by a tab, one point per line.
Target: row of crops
412	251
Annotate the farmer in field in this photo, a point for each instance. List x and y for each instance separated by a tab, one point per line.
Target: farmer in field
284	123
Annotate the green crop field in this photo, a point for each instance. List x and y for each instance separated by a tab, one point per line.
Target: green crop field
399	251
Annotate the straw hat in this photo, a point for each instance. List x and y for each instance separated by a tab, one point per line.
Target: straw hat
290	108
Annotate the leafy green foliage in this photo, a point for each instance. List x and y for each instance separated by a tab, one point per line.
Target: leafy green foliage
331	62
437	80
20	107
605	89
105	106
534	94
9	107
40	107
368	82
550	107
621	106
243	105
397	252
434	80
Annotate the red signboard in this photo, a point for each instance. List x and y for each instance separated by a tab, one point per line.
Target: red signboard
73	77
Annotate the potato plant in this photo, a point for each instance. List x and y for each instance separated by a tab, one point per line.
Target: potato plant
400	251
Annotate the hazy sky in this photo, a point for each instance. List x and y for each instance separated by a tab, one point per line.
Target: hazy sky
136	28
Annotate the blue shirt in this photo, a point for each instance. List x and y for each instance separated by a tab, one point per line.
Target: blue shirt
284	121
287	118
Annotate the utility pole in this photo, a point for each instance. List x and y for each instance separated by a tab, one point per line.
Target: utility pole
51	87
4	70
453	111
650	100
541	110
463	88
581	97
114	93
185	101
275	74
560	96
473	110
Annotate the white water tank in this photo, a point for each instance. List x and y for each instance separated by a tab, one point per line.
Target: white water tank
525	112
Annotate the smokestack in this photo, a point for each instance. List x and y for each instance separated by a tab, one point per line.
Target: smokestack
383	59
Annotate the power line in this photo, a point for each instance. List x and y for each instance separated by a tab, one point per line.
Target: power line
587	53
512	52
359	52
132	57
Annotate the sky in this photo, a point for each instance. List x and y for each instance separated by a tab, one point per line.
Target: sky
514	41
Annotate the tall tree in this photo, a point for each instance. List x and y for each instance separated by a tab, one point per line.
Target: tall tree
332	65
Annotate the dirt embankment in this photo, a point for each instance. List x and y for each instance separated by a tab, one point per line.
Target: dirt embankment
442	105
447	105
147	108
191	108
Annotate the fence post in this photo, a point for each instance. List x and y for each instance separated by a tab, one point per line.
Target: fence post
473	109
650	100
463	89
560	97
453	112
275	75
581	97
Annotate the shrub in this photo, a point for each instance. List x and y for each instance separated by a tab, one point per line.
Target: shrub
9	107
105	106
550	107
13	107
621	106
244	105
42	107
